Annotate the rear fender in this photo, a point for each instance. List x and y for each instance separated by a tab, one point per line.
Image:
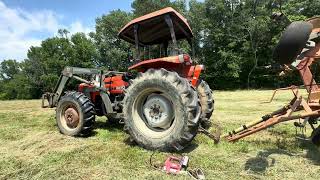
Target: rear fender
172	63
182	64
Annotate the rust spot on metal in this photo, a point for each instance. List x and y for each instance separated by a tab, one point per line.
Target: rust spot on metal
71	117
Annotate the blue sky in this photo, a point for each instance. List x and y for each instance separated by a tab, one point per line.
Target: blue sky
26	22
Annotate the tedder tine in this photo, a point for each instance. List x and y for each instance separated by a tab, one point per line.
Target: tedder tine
292	88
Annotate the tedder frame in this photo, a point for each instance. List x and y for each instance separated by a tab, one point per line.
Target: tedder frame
299	47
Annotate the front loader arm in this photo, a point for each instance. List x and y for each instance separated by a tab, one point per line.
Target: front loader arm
67	73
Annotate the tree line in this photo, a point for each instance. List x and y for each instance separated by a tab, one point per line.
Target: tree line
234	39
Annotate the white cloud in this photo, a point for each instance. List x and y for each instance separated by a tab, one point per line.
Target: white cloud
78	27
18	28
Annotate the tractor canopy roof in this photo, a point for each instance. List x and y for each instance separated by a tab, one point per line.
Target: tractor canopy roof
153	28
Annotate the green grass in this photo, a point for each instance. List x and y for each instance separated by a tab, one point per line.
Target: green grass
32	148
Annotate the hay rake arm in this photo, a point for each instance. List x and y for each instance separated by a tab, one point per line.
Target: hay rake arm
281	115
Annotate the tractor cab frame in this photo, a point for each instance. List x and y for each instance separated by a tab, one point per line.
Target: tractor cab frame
160	28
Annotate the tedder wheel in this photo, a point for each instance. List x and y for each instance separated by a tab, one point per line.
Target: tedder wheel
292	41
206	102
161	111
75	114
315	136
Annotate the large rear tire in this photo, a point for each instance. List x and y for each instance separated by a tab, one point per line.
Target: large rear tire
161	111
207	103
75	114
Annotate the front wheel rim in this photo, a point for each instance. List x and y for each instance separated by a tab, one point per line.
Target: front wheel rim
70	118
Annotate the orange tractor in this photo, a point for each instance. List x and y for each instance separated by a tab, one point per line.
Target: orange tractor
162	106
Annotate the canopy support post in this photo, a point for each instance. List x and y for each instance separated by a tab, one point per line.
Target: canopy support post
173	35
136	39
165	46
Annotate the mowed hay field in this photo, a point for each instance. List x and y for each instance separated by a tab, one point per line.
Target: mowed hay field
32	147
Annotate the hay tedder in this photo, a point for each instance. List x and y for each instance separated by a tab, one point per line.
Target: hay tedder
299	47
162	103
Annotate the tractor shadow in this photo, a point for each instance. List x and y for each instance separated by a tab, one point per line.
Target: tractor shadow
263	160
191	147
105	125
117	127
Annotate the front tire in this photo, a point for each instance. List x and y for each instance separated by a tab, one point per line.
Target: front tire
161	111
75	114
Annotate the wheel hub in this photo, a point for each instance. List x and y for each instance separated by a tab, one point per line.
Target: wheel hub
72	117
158	111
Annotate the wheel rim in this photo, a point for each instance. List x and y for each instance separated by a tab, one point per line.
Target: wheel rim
154	113
70	117
158	111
